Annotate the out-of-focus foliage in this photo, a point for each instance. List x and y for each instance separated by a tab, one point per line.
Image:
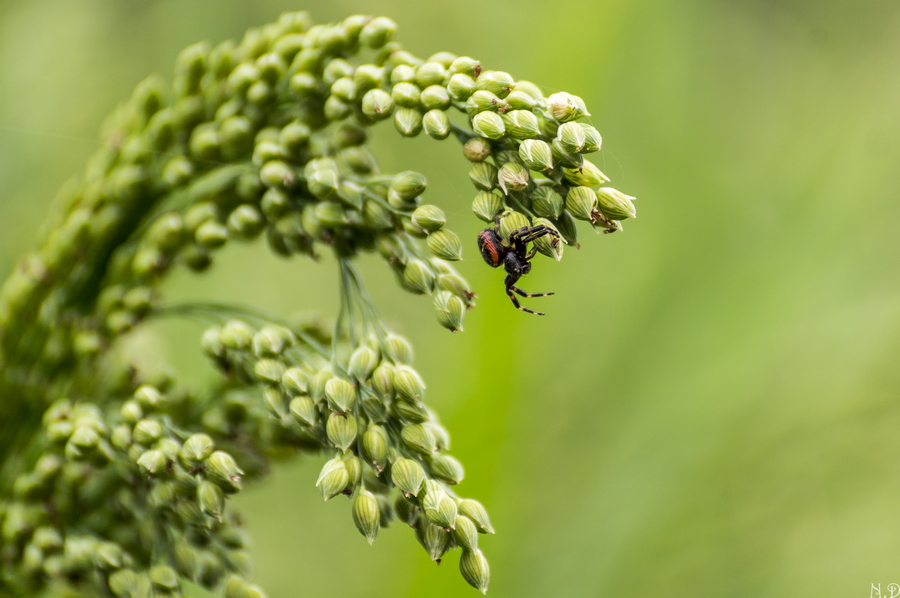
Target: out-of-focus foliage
709	407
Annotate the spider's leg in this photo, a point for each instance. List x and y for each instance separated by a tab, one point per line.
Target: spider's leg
538	234
522	293
531	254
519	306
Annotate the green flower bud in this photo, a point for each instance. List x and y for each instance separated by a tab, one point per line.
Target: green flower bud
198	214
269	371
417	277
335	69
317	384
587	175
197	449
513	177
152	462
376	216
430	73
123	582
435	97
438	507
323	183
482	101
477	149
131	412
403	74
146	432
344	89
164	577
295	381
447	469
446	245
336	109
546	202
368	76
419	438
341	430
571	137
520	124
377	32
536	154
340	394
271	341
304	410
477	513
487	205
333	479
429	218
246	221
475	570
331	214
450	310
366	515
354	470
375	447
565	107
564	158
223	470
456	284
615	205
592	139
483	175
512	221
406	511
435	539
496	82
304	84
437	124
211	234
408	185
548	244
359	159
408	121
465	534
237	335
211	499
362	363
582	203
399	351
408	384
268	151
275	401
377	104
519	100
406	95
460	87
408	476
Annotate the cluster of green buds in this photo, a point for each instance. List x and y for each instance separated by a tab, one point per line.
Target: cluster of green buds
121	488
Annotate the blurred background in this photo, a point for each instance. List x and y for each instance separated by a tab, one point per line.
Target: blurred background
710	407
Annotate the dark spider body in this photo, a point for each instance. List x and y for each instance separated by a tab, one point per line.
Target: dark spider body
514	256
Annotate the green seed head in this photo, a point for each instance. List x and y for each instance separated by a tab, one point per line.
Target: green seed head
223	470
403	73
197	449
447	469
419	438
547	203
375	447
377	104
408	384
269	371
571	137
211	499
295	380
536	154
304	411
437	124
341	429
475	570
152	462
429	218
418	277
363	362
512	221
521	124
592	139
487	205
519	100
565	107
377	32
366	515
408	185
333	478
446	245
496	82
581	202
435	539
408	121
344	89
477	149
406	95
477	513
437	505
615	205
340	394
450	310
483	175
408	476
548	244
513	177
237	335
368	76
430	73
482	101
460	87
587	175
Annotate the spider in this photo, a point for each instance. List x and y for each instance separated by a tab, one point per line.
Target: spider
515	256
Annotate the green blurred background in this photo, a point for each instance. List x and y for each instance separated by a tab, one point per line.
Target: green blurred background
710	407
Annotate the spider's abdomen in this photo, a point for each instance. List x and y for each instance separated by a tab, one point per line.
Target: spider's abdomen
492	250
